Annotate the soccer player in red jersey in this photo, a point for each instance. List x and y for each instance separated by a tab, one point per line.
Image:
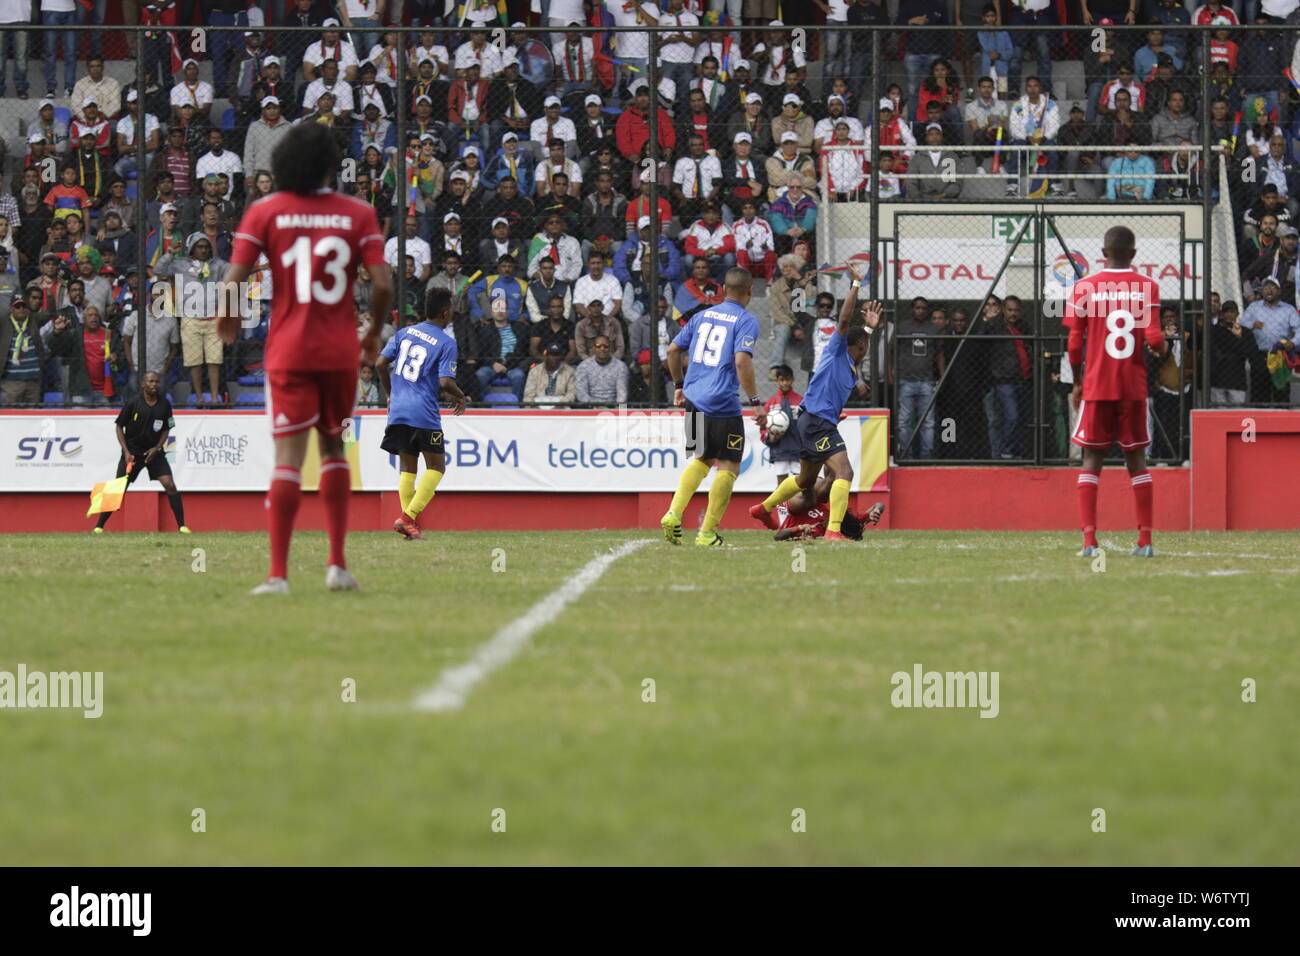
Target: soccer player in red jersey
314	239
1110	314
807	514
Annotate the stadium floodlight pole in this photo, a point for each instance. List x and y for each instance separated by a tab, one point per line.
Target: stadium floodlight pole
873	212
399	191
652	296
1207	226
1012	246
142	287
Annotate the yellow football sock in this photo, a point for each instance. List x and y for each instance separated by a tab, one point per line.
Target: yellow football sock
839	503
424	493
692	475
784	492
719	495
406	488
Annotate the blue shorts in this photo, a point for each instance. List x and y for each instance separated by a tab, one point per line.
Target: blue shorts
818	438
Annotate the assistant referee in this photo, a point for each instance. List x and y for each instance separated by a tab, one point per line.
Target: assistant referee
142	429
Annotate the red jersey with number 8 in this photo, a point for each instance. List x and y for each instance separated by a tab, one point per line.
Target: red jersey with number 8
1112	314
314	244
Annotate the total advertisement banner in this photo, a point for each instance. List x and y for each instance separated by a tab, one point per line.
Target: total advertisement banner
958	257
615	451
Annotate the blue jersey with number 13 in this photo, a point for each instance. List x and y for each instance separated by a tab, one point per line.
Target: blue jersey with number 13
711	340
421	355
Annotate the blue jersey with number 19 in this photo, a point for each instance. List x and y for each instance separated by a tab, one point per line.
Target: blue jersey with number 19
711	340
422	355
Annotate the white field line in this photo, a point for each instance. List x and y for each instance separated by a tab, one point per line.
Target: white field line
454	685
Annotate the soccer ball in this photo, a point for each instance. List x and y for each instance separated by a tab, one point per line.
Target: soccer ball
778	423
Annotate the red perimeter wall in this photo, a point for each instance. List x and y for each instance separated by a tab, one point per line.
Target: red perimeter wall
1246	468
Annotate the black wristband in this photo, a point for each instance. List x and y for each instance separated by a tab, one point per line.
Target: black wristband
678	384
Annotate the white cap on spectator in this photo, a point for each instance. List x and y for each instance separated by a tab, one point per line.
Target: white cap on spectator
592	98
886	103
789	136
270	101
791	98
775	23
188	62
510	137
331	22
638	86
741	64
753	98
423	99
552	101
132	96
267	60
472	149
426	59
88	101
929	126
1273	279
834	97
509	59
429	138
36	137
167	207
450	216
461	175
742	137
667	88
45	103
642	222
517	24
500	221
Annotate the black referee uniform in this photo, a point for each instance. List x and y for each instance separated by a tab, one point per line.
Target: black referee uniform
145	426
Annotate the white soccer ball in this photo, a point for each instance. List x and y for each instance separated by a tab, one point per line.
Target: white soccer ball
778	423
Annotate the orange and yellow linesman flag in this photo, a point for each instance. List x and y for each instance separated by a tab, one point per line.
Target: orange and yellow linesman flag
107	496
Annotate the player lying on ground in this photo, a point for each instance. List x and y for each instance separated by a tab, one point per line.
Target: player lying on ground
720	343
1107	313
314	240
143	425
804	515
417	365
820	442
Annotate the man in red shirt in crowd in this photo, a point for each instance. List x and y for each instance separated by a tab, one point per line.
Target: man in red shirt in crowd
633	129
314	239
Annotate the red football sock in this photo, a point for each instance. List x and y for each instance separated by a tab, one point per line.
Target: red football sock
1144	498
1088	484
335	487
282	505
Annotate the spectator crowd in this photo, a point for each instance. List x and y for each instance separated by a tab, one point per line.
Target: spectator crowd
524	182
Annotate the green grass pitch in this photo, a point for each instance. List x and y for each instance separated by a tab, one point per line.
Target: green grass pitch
1119	689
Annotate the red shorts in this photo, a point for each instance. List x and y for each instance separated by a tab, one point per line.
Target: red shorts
297	399
1120	421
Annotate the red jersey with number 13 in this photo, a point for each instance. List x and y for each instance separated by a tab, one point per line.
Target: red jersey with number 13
1110	314
314	244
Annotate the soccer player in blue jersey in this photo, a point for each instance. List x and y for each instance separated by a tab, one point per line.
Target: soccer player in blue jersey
718	345
423	366
818	422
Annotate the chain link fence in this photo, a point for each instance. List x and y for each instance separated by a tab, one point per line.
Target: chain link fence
765	153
